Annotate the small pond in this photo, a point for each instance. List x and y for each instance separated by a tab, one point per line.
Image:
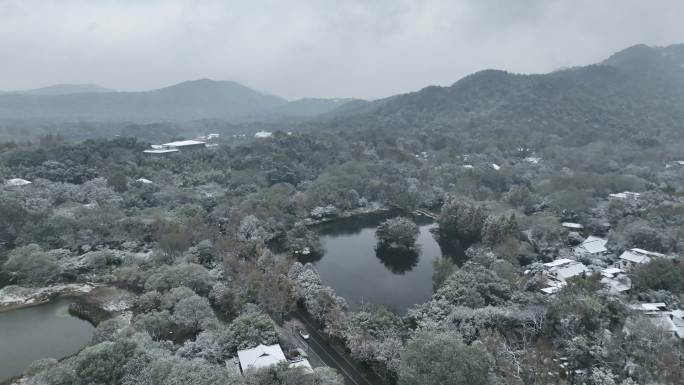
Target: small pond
351	265
36	332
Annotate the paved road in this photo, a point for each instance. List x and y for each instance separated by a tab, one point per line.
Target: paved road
334	357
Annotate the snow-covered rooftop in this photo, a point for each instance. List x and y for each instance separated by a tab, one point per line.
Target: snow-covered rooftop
616	285
161	151
183	143
649	307
17	182
626	195
263	134
611	271
593	245
559	262
570	271
571	225
646	252
261	356
633	257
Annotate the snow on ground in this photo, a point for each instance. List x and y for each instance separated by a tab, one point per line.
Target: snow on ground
13	296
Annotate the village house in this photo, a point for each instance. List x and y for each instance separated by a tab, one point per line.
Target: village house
559	271
261	356
633	257
593	246
264	356
671	322
615	280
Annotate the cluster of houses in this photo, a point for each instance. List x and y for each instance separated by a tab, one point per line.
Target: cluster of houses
614	278
264	356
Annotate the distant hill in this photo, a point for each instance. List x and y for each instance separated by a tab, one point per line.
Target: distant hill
65	89
633	94
190	100
636	94
308	107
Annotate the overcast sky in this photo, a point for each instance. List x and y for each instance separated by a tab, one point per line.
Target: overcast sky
324	48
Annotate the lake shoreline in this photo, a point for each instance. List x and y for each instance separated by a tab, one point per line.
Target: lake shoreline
352	266
18	297
89	303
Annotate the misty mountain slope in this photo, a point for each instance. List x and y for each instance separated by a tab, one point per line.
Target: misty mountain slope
307	107
65	89
185	101
638	91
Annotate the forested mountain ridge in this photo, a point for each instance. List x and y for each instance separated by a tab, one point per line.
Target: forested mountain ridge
636	95
184	101
637	92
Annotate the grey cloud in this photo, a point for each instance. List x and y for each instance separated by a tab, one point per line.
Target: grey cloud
352	48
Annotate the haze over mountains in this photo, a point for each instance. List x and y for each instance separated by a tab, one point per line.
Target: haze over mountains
64	89
639	91
190	100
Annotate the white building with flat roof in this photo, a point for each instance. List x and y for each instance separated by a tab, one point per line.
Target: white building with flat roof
263	134
572	226
171	147
17	182
160	151
185	144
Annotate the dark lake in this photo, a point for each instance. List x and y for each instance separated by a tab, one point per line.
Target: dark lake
36	332
352	267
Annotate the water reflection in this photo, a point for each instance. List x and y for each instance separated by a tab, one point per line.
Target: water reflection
359	272
398	260
454	249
